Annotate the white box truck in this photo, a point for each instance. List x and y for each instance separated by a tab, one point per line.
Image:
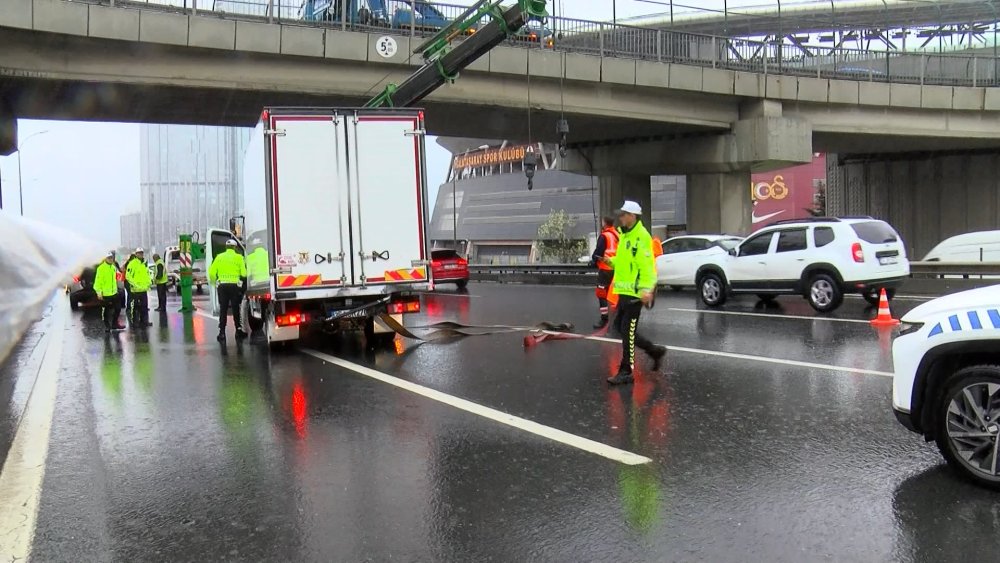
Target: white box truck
334	221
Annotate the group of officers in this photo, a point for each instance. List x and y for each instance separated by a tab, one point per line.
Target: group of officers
626	260
228	272
136	283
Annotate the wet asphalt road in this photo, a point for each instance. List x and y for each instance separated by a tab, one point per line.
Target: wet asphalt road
173	448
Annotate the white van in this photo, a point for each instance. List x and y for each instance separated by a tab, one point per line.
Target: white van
982	246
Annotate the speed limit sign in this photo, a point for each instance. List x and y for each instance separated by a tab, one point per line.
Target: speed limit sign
386	47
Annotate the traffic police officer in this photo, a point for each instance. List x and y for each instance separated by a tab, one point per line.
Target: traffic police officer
634	282
229	269
160	278
106	288
139	282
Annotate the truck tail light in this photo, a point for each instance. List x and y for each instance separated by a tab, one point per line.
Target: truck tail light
857	252
403	307
291	319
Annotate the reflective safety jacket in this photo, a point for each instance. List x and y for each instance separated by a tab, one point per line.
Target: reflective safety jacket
161	273
137	276
607	245
258	265
106	280
635	268
228	267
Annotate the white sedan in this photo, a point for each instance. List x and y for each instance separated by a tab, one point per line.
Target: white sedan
683	256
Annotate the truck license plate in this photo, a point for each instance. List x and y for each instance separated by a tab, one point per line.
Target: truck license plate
888	261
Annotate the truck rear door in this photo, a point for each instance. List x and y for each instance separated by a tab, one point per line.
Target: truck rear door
387	199
310	201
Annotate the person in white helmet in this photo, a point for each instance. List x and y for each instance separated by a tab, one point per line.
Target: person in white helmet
229	271
139	281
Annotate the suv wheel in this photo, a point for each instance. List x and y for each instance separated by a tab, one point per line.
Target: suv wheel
713	290
968	424
823	293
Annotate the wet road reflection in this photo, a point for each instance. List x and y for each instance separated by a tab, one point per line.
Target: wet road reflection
168	446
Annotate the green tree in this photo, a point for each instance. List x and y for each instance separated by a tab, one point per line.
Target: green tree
554	239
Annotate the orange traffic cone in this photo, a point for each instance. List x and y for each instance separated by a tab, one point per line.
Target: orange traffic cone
884	317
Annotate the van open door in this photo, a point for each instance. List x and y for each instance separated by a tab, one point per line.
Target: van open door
215	244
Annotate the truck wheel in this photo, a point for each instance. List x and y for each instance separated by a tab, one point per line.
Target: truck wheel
967	425
713	290
824	294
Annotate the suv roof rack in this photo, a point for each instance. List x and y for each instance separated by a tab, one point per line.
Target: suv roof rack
807	220
857	217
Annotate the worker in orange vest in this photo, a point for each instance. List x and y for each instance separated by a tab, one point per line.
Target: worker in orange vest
607	246
657	247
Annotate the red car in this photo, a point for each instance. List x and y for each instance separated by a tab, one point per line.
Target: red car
448	267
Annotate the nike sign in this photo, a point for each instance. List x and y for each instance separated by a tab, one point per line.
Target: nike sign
763	218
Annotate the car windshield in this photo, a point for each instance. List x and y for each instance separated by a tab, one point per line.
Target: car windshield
875	232
729	243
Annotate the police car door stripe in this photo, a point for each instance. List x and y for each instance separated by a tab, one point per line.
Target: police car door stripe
955	325
936	330
974	319
995	317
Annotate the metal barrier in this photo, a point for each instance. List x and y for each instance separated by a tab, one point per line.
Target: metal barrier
624	41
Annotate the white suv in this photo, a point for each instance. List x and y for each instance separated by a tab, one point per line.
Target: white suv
820	258
947	379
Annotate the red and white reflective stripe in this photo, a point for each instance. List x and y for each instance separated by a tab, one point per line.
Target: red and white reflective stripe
185	260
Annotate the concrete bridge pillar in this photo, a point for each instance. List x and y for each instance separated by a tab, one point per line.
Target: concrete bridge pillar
719	203
616	189
8	130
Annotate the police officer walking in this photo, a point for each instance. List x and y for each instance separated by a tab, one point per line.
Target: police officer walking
139	282
106	288
634	282
160	279
229	269
607	244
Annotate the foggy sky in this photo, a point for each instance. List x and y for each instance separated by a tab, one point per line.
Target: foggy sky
83	176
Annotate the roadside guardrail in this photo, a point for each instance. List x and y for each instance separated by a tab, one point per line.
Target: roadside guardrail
926	278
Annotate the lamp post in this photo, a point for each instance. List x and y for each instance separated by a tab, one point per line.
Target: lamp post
20	191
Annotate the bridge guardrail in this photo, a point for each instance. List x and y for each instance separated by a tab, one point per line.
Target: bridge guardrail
628	41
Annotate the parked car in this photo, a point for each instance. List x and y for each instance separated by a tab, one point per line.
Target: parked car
982	246
821	259
683	256
946	384
447	266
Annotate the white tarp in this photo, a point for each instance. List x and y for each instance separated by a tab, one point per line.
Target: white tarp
36	259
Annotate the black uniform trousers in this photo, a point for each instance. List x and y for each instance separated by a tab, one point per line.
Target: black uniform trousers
230	298
139	313
627	324
161	296
111	307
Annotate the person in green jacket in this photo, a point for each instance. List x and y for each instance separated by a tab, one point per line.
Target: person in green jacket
106	288
635	284
229	269
139	281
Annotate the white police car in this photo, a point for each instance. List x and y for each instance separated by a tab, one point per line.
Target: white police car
947	379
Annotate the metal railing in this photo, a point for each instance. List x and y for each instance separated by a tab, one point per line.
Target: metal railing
605	39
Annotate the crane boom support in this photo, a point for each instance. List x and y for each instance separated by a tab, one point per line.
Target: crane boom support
444	65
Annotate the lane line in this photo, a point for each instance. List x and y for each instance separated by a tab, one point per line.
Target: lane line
556	435
767	315
737	356
24	469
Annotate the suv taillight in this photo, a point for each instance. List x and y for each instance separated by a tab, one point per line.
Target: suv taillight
857	252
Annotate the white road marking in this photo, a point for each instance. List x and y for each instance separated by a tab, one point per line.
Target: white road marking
768	315
622	456
23	471
899	297
734	355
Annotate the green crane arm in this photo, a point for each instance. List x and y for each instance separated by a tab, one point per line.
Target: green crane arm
442	62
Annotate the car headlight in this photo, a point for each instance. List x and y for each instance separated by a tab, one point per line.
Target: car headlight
909	328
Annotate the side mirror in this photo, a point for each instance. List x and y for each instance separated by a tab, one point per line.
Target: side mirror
733	252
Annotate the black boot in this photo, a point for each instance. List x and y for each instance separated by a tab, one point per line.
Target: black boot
240	335
622	378
222	336
658	353
603	322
